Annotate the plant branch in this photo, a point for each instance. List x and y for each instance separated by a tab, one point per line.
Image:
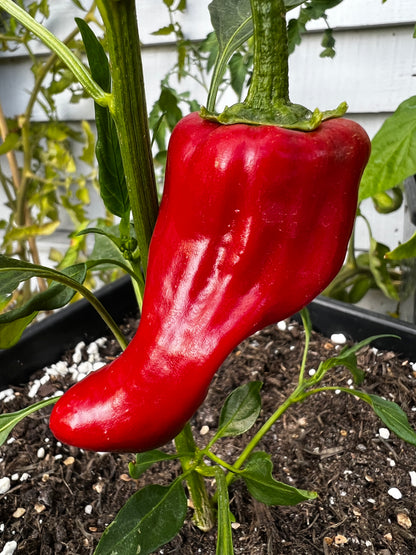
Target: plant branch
129	110
203	515
55	275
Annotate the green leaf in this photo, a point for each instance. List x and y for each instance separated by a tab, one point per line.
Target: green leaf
393	152
10	143
389	413
224	536
107	244
89	147
328	43
11	332
13	272
231	20
379	269
34	230
240	411
257	475
146	460
113	188
347	357
238	73
56	296
10	420
79	5
97	58
403	251
362	284
149	519
167	30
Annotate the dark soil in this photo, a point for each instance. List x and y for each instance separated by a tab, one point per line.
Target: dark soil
61	499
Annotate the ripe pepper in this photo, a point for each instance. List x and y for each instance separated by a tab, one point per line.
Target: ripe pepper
257	210
253	224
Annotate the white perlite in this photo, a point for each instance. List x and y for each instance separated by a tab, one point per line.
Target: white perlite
9	548
413	478
4	485
384	433
395	493
338	338
6	395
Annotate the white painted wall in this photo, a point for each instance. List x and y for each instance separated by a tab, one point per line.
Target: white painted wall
374	69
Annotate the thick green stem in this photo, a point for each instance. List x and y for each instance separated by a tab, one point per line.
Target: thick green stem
203	511
130	115
270	80
267	101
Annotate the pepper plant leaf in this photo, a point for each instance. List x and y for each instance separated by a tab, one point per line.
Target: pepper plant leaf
240	411
14	322
257	475
379	269
403	251
10	143
10	420
347	357
149	519
146	460
389	413
113	187
11	332
393	152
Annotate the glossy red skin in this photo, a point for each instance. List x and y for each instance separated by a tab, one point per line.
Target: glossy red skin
254	223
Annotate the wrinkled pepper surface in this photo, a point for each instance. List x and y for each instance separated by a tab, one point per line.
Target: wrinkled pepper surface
253	224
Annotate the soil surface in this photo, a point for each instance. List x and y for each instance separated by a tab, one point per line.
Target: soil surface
58	499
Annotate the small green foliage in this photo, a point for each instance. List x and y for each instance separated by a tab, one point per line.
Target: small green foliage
146	460
257	474
393	152
10	420
149	519
240	411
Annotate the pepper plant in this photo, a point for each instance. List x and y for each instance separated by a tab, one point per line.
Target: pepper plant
250	229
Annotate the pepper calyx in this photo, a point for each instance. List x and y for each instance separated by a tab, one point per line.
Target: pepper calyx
285	114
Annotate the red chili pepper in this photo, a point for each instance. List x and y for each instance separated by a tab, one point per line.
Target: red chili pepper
254	223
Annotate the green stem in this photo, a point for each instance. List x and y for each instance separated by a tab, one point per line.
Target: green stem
270	80
48	273
306	326
219	461
61	50
351	259
203	511
263	430
130	115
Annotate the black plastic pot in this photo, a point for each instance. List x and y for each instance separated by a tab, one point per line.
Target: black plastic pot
45	342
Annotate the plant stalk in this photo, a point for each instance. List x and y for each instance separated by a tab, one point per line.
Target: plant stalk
270	80
129	110
203	511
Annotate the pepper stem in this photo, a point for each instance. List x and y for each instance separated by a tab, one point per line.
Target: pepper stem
267	101
270	80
